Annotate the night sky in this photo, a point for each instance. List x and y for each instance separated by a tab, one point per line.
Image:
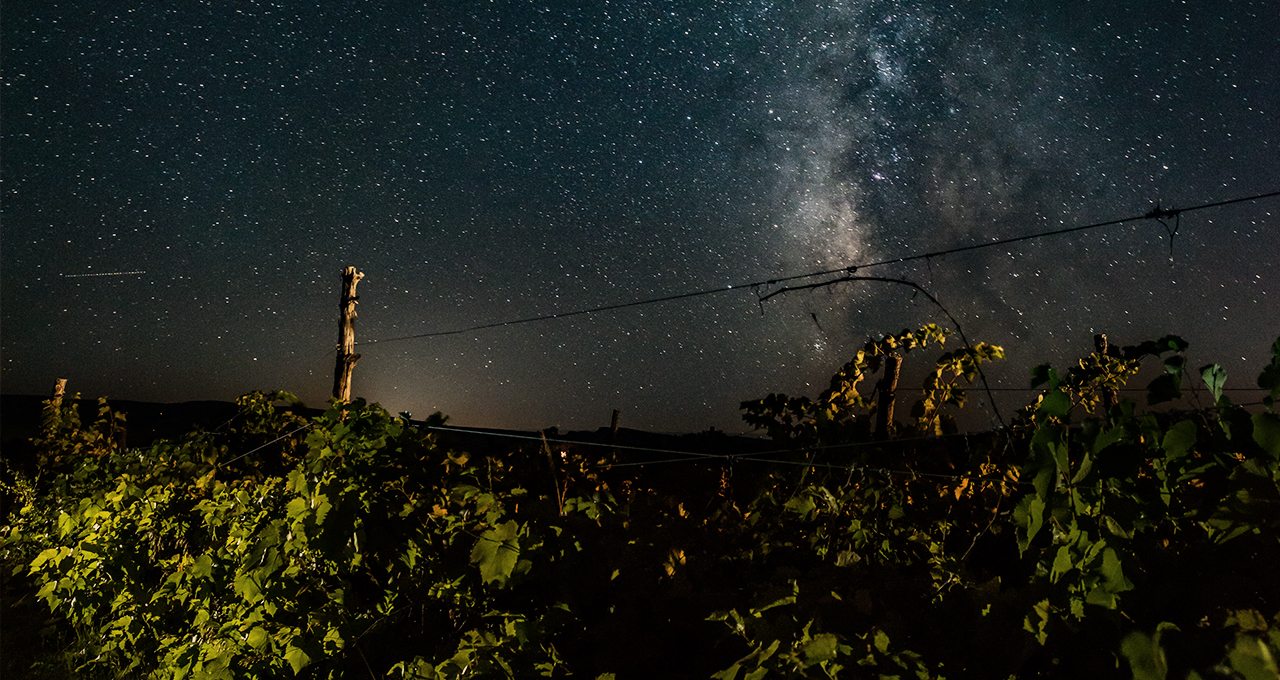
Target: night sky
481	161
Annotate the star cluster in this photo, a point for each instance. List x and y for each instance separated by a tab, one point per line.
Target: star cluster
485	161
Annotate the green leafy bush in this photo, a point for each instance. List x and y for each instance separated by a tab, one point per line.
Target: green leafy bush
1092	537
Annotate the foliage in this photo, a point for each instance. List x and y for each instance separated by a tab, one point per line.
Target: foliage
842	412
1092	538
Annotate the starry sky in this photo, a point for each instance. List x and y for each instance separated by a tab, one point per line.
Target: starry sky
218	163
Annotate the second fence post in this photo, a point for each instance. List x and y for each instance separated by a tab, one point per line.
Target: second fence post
888	394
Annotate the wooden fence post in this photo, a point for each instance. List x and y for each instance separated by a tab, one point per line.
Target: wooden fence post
1103	348
346	360
59	390
888	394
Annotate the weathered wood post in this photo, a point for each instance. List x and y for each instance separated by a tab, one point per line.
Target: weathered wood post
1102	347
888	394
346	360
59	391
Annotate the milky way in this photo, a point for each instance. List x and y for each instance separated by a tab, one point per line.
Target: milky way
482	162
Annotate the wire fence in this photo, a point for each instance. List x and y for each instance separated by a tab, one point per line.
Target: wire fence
766	289
779	285
1157	213
769	457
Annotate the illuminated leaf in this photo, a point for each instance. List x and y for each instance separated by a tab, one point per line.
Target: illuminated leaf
44	556
1251	659
202	567
1030	513
1146	657
1113	573
1056	403
1214	377
1179	440
247	587
297	659
820	649
1062	564
496	552
801	505
258	637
